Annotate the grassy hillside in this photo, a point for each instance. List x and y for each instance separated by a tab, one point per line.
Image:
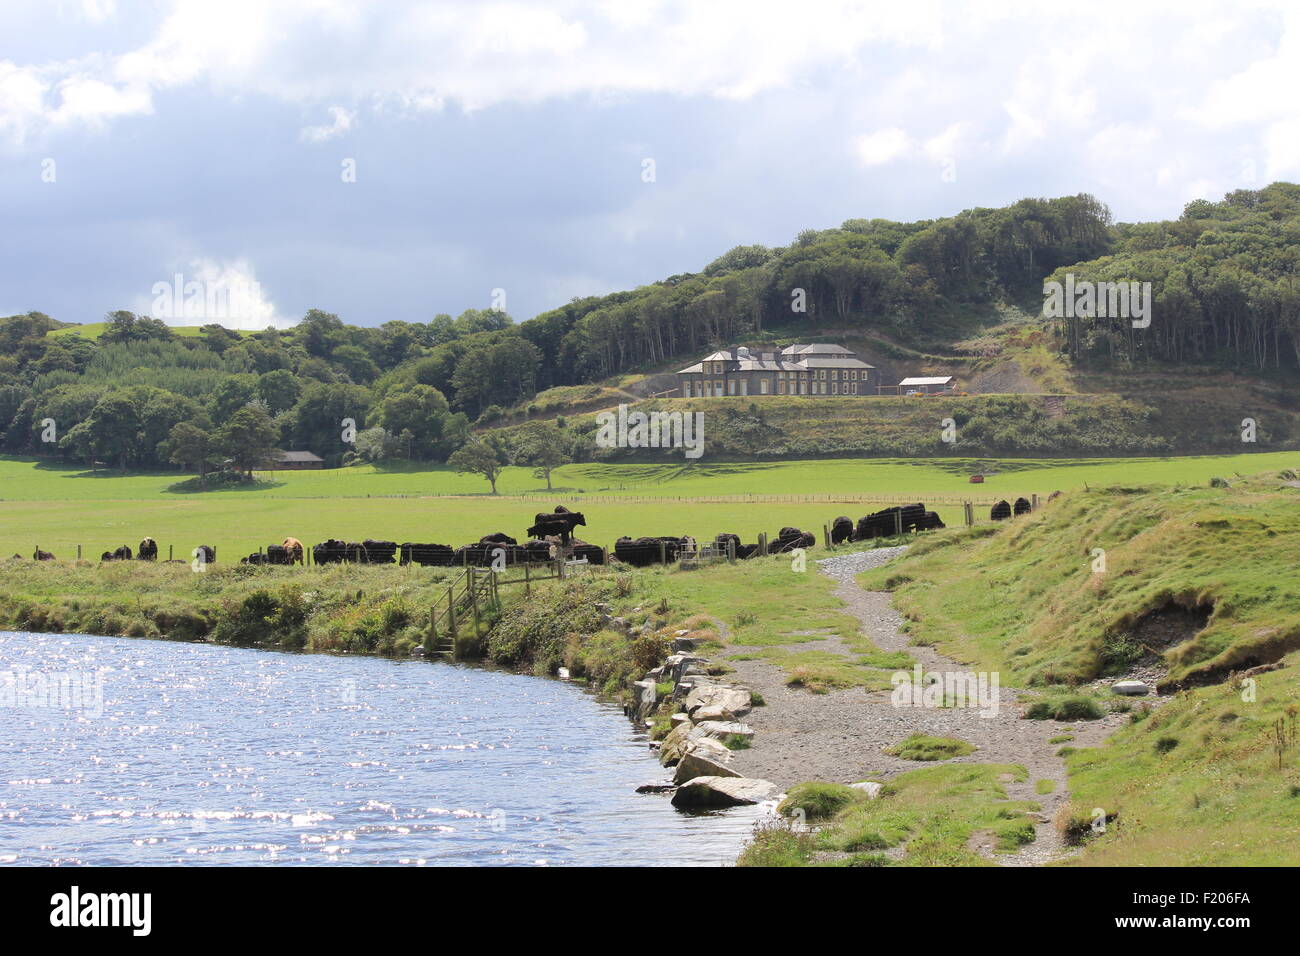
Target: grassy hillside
1204	778
91	331
1027	600
1181	421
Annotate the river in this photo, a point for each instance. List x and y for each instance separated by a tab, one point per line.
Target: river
202	754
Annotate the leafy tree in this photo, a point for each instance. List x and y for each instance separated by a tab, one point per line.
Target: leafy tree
248	439
542	446
480	457
192	447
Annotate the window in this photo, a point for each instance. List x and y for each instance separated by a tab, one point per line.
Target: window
731	386
835	388
835	374
762	387
717	388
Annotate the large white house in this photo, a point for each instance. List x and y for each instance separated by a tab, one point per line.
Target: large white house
795	370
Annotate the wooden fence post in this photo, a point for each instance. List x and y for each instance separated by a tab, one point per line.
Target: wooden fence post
970	513
663	553
78	552
527	583
898	522
826	536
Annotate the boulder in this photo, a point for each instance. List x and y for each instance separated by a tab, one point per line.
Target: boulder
673	746
707	792
869	787
676	720
724	702
1130	688
722	729
644	696
702	762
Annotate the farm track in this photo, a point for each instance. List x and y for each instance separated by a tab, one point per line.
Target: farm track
840	736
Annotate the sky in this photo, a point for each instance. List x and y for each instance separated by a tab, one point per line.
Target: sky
398	160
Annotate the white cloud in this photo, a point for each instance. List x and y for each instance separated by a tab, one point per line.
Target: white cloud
342	122
211	290
883	146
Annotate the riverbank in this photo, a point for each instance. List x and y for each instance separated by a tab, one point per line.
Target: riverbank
353	609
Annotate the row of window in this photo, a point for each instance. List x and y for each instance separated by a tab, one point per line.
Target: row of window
712	389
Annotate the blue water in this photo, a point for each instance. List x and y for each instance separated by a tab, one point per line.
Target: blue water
216	755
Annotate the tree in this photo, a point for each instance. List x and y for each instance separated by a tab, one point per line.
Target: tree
541	446
279	389
248	439
192	447
479	457
419	412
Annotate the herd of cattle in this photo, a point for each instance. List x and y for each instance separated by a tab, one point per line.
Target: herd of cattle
551	536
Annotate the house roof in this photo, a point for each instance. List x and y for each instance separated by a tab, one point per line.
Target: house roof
792	358
817	348
303	456
933	380
831	361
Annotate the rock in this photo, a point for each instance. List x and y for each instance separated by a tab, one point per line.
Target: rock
417	651
1130	688
655	788
685	738
677	665
705	792
702	762
563	673
682	633
723	702
722	729
682	644
869	787
674	745
644	697
676	720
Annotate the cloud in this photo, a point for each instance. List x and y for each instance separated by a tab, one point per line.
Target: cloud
883	146
225	292
342	122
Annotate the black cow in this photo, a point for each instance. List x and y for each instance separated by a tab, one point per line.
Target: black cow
640	552
427	555
1000	511
40	555
148	550
206	553
790	538
594	554
841	530
498	537
1022	506
559	523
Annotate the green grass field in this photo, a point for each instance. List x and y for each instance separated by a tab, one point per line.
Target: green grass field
93	330
60	506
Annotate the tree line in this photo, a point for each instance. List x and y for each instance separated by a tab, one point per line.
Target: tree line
143	396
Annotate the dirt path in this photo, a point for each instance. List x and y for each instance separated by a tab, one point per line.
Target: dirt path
840	736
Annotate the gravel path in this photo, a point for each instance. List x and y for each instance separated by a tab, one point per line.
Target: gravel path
840	735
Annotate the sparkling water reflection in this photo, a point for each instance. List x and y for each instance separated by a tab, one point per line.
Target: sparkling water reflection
214	755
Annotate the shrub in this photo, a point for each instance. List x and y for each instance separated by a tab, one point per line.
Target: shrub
819	801
922	747
775	843
1076	707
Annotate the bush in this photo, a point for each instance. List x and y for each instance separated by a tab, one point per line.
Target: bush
1076	707
774	843
819	801
922	747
